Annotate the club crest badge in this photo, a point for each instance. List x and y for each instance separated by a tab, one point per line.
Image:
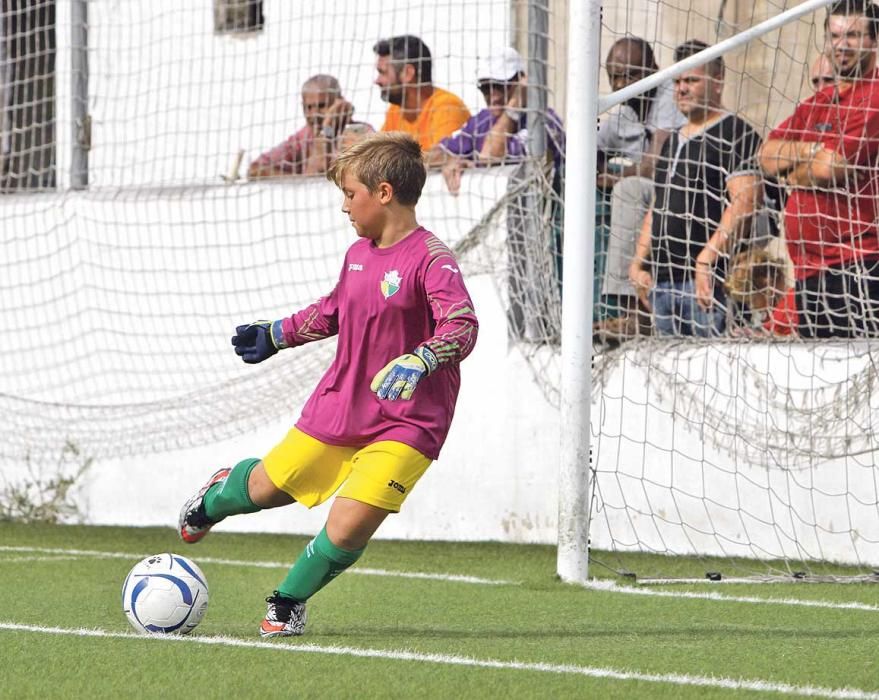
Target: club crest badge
390	285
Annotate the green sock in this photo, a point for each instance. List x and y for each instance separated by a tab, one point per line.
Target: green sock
319	564
231	497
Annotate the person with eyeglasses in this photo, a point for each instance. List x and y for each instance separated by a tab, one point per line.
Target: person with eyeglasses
827	153
310	150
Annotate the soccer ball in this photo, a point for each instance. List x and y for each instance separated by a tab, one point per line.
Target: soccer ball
165	594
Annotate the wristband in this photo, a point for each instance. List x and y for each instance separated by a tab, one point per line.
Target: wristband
428	357
328	132
276	331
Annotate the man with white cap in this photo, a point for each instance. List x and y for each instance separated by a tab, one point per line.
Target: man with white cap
497	134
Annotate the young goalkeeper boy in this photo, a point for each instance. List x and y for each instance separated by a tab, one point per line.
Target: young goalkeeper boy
381	413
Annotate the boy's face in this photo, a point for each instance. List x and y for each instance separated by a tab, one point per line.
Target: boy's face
365	209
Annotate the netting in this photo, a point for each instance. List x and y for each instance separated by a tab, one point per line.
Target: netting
117	300
725	423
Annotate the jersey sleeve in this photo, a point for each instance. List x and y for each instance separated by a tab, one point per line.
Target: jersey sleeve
451	307
316	321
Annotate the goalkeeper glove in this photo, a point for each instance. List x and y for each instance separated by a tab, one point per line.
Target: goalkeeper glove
258	341
400	376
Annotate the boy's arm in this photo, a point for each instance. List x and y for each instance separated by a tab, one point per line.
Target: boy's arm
452	309
258	341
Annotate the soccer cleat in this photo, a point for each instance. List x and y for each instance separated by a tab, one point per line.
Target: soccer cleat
194	522
284	618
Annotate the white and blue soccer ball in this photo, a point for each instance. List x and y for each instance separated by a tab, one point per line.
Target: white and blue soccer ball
165	594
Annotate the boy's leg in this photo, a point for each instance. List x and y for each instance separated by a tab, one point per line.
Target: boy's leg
349	527
382	475
243	489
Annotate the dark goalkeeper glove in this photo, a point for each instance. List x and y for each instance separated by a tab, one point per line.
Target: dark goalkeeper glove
258	341
400	376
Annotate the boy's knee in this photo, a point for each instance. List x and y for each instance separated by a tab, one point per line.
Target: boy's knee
262	490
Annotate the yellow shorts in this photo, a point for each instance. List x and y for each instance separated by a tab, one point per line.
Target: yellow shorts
381	474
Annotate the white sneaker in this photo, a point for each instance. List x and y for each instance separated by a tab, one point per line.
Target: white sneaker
285	617
194	523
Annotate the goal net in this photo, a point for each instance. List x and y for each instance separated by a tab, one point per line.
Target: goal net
134	240
743	454
756	443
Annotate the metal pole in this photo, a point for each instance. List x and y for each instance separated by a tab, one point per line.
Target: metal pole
538	40
79	71
584	32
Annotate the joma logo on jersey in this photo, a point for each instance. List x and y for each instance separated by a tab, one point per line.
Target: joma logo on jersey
390	285
355	267
397	485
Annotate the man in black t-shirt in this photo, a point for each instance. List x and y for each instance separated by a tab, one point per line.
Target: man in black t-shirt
707	187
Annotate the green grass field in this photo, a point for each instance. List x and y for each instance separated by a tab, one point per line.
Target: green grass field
375	632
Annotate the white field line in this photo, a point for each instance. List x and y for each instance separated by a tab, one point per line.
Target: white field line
450	660
606	586
133	556
629	590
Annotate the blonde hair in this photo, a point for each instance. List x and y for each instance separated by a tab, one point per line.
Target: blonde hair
390	156
754	272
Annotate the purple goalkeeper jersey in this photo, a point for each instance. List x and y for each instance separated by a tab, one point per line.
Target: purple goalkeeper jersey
388	301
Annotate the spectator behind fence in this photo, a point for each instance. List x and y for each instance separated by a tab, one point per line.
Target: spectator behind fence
828	153
707	188
309	150
498	133
630	138
762	301
416	106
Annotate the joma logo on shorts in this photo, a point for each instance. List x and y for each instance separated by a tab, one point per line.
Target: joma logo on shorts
397	485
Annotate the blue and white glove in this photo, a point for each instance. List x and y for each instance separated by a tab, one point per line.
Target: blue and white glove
400	376
258	341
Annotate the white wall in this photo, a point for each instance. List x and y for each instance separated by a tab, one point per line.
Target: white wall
495	479
173	102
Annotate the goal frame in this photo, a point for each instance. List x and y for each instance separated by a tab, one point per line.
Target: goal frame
584	107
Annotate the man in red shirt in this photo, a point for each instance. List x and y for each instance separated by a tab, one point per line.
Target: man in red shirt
827	153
